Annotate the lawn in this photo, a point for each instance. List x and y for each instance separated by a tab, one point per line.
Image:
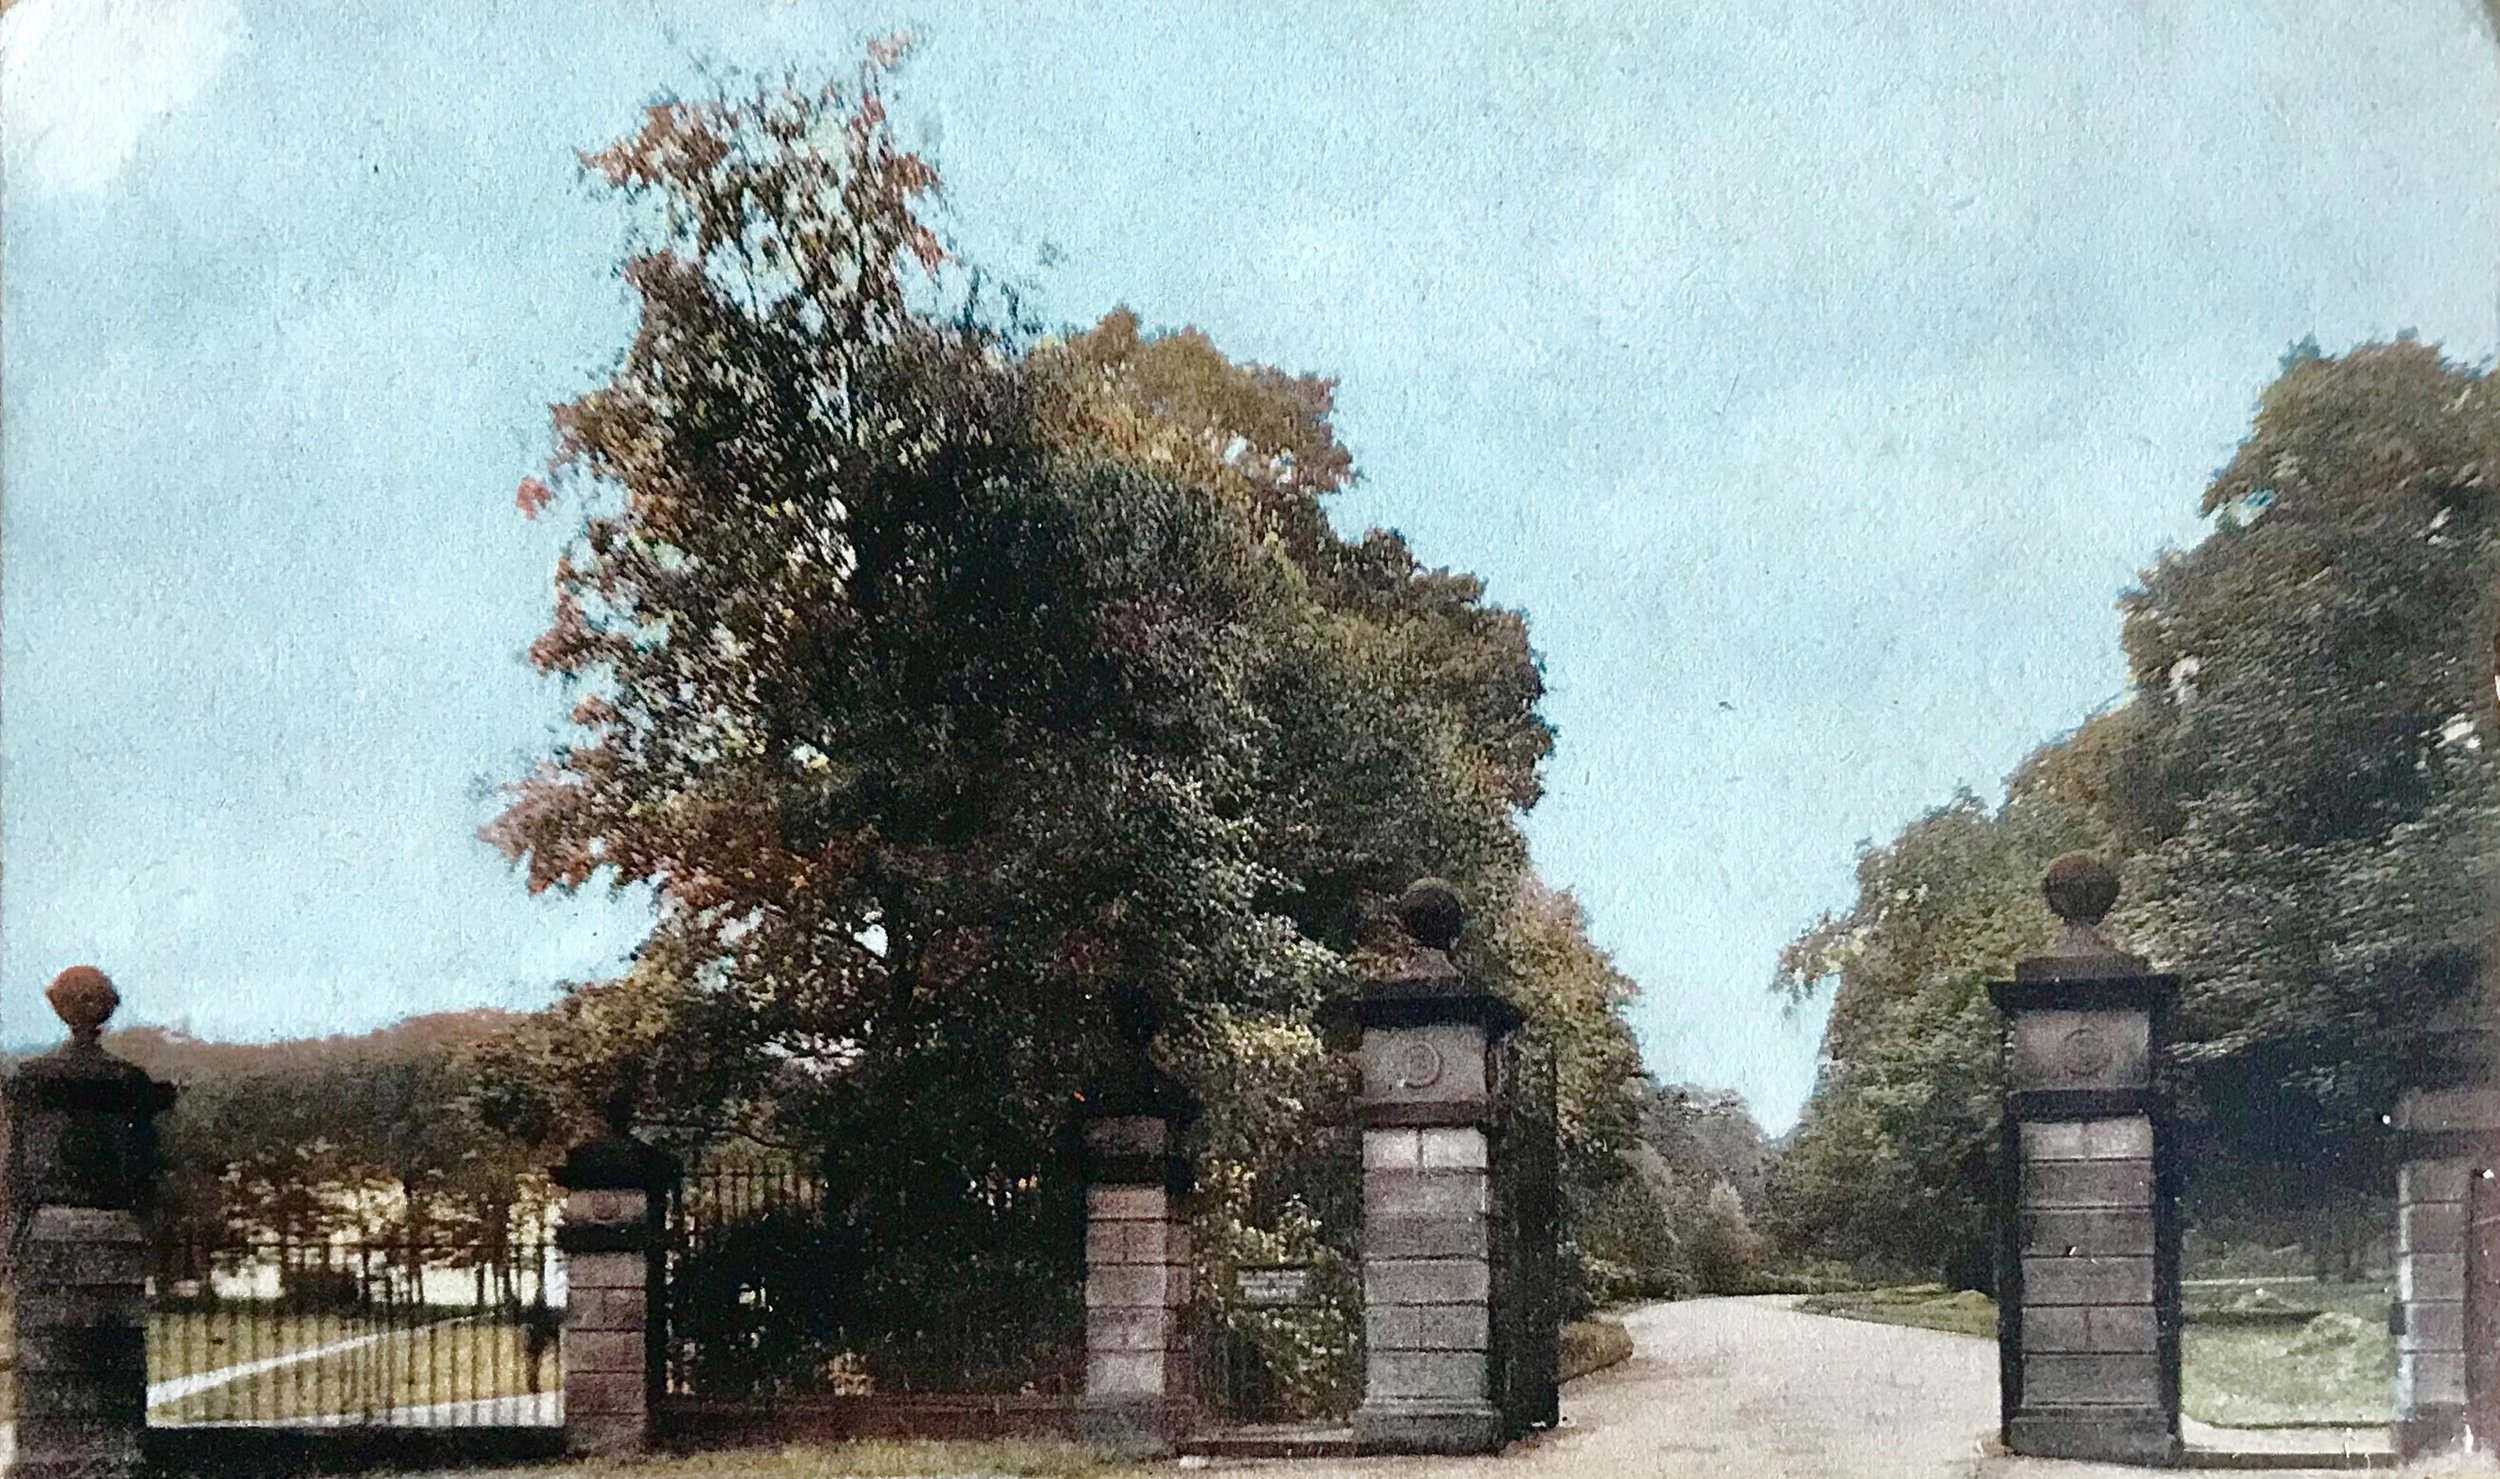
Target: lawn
191	1341
2336	1368
1928	1306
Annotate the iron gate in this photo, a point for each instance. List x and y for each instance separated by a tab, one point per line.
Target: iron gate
1525	1365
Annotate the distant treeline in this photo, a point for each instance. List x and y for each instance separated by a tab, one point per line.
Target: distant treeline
373	1135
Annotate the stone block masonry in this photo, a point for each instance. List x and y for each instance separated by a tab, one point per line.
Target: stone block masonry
82	1364
608	1380
1137	1288
2434	1200
1428	1206
2088	1298
1427	1287
615	1187
2089	1327
1426	1291
1140	1391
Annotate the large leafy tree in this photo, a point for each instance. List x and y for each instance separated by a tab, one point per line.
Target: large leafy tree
951	686
928	736
895	707
2309	819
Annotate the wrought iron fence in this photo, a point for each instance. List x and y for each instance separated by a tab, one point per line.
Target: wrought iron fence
770	1295
742	1280
346	1330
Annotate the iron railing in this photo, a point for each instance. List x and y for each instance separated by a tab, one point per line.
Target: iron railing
346	1330
769	1295
739	1280
1289	1364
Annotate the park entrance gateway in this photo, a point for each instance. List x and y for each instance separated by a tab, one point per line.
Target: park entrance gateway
1460	1275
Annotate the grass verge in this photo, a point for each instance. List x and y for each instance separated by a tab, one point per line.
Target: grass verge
1926	1306
1593	1345
868	1459
2335	1368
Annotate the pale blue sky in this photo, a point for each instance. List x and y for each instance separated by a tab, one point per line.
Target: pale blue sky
1815	373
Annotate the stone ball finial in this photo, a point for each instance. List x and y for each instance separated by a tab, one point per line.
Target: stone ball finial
1431	912
2081	889
83	997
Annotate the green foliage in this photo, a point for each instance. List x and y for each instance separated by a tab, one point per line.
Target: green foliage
1613	1213
1723	1247
1895	1162
1704	1138
1625	1246
2314	682
780	1302
1676	1217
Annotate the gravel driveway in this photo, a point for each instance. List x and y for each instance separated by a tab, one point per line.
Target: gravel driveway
1751	1389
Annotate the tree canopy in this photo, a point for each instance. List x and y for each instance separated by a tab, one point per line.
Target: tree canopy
2299	789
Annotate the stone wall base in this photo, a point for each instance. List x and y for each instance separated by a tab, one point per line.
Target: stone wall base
2110	1435
606	1436
101	1455
240	1451
714	1422
1134	1428
1427	1427
2429	1430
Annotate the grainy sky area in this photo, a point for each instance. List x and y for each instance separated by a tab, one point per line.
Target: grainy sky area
1815	373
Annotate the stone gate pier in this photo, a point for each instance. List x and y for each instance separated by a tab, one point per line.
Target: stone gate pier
2088	1224
2446	1124
81	1179
1429	1378
616	1192
1140	1377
